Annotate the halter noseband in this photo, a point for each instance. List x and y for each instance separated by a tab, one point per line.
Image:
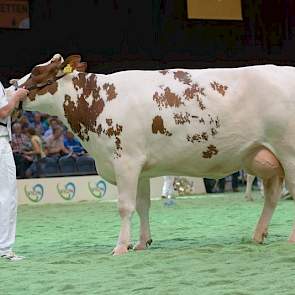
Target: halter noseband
33	87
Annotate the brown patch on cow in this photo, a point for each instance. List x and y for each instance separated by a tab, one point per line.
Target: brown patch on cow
88	84
109	122
79	81
217	122
32	95
119	148
158	126
204	136
99	130
219	88
198	137
213	132
211	119
167	99
80	113
210	152
114	131
195	92
183	77
194	138
164	72
110	90
180	118
202	121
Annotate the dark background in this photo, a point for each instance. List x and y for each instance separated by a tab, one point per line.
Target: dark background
114	35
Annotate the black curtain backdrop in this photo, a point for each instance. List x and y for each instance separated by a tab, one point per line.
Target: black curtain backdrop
114	35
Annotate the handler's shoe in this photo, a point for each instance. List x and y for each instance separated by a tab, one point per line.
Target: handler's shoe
11	256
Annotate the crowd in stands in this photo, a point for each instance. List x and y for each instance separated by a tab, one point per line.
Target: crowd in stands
39	139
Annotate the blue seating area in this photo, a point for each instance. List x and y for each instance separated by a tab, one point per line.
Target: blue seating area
67	166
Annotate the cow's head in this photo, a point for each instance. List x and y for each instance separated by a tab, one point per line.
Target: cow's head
43	80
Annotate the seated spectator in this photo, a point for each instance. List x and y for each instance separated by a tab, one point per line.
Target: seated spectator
19	142
38	124
45	120
36	153
54	143
72	144
29	115
25	124
53	123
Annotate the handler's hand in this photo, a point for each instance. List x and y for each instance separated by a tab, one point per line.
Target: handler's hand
21	94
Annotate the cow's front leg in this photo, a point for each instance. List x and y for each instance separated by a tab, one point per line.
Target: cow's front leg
127	179
143	204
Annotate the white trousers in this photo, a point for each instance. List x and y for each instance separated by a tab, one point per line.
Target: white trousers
8	196
168	186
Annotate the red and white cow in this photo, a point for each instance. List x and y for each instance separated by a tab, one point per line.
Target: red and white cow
203	123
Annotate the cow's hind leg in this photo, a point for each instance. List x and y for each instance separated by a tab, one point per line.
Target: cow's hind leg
272	193
290	183
248	194
143	204
264	164
127	175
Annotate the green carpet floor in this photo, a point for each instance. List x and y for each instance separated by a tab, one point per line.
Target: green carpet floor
201	246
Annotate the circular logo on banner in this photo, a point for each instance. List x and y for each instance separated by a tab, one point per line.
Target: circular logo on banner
67	192
98	190
35	194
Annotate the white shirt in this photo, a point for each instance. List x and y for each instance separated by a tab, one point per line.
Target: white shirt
3	102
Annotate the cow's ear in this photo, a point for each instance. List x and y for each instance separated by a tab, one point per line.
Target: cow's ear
73	62
81	67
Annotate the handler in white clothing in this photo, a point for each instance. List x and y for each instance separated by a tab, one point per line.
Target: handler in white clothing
8	193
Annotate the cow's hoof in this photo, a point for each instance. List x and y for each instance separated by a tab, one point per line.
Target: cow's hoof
121	249
142	245
258	238
249	199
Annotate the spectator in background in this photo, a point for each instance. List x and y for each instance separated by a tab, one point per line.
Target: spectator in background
38	124
234	183
209	184
73	145
53	123
25	124
29	115
45	119
18	143
36	153
168	189
55	144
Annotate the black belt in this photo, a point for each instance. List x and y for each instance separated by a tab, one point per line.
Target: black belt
3	124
